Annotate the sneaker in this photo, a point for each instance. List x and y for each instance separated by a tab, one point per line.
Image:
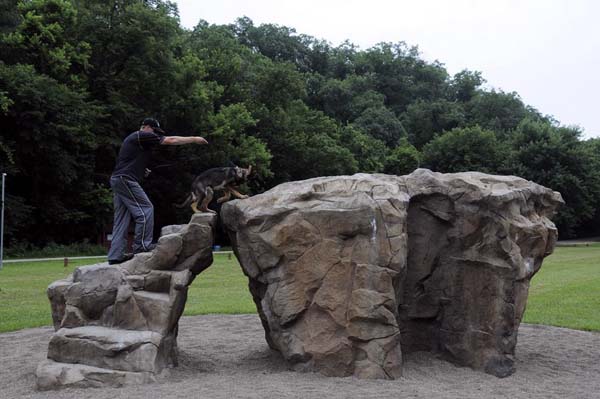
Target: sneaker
125	258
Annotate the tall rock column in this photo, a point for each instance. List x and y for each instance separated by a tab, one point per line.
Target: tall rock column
475	242
325	258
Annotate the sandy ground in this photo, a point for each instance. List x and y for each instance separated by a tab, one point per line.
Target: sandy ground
225	356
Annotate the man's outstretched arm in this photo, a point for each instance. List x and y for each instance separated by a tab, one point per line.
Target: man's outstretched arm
180	140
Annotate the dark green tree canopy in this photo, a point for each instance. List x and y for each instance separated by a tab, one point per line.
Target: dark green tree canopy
77	76
464	149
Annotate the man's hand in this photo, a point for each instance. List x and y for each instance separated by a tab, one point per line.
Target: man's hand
147	172
201	140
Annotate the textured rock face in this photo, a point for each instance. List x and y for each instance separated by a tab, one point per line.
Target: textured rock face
118	324
348	272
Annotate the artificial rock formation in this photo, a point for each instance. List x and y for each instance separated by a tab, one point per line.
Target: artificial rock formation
118	324
349	272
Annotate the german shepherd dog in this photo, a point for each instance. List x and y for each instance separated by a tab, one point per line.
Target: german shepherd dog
215	179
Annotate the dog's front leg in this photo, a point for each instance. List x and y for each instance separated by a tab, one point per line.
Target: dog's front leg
226	196
237	194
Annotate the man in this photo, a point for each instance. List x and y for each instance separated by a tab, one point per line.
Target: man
129	198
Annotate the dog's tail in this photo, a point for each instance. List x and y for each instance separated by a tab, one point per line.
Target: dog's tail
187	202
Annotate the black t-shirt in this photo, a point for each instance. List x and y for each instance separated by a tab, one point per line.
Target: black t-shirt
135	153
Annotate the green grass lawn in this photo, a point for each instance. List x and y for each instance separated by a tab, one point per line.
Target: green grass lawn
222	288
566	291
23	300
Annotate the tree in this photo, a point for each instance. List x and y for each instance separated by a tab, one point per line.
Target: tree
382	124
369	152
46	37
47	119
333	99
306	143
591	226
464	149
276	84
403	159
496	110
280	43
554	157
400	75
424	119
342	61
49	146
9	16
465	85
344	100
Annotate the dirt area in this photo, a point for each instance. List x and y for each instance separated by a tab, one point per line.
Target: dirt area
225	356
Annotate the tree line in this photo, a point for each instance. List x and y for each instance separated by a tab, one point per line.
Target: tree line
76	76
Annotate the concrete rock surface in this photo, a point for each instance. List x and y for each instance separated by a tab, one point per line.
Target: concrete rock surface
349	272
118	324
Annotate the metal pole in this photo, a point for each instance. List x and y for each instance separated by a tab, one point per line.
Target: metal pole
2	224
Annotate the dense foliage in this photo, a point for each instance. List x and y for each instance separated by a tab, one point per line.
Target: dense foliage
76	76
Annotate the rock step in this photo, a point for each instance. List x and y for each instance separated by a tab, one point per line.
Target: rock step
160	280
51	374
117	325
117	349
156	308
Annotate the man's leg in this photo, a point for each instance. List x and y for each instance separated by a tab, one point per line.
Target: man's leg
141	209
122	218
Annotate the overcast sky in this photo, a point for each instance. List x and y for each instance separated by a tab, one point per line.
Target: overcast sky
547	51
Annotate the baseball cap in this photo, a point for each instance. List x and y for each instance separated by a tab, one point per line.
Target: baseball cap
153	123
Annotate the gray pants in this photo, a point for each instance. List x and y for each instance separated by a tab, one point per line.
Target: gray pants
130	201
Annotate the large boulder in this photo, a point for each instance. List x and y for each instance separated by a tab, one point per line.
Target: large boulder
348	272
118	324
